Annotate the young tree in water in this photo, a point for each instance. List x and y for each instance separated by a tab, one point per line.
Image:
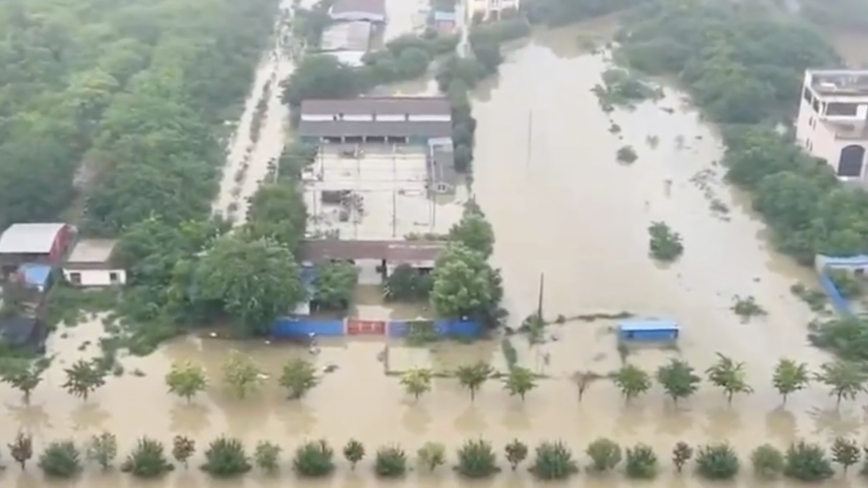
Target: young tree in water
431	455
519	381
845	452
83	378
298	377
102	449
473	377
681	454
678	379
516	452
846	379
24	375
186	379
354	452
790	377
241	374
182	448
22	449
729	376
417	382
632	381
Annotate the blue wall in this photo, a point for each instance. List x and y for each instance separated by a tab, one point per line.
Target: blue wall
445	328
292	327
841	305
649	335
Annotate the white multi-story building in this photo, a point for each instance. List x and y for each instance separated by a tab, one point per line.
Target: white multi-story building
833	120
485	10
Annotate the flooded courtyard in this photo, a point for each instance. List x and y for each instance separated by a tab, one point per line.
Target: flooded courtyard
561	206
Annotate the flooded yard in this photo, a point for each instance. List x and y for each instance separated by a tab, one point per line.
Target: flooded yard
562	206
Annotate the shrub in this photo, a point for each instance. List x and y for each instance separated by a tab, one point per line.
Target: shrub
266	455
148	459
226	457
807	462
605	454
476	459
681	453
516	452
641	462
553	461
354	452
391	462
431	455
182	448
717	462
60	460
314	459
767	460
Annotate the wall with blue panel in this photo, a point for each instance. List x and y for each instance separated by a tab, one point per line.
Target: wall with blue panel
398	328
294	327
840	303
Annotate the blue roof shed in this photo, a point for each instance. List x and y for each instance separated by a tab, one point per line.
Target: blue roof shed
648	330
35	275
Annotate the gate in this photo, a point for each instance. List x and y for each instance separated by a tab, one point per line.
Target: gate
356	327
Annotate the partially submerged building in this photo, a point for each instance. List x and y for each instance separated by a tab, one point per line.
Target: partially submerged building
90	264
418	254
442	177
46	243
413	120
489	10
833	120
347	41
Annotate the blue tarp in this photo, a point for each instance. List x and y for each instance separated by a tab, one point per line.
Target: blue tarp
300	327
35	275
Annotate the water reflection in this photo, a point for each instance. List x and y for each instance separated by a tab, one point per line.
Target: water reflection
517	418
30	418
835	421
89	416
471	421
781	425
188	418
297	418
416	419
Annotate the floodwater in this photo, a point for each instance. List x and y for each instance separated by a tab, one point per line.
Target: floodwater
561	206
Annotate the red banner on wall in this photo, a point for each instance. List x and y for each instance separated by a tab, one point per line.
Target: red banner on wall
366	327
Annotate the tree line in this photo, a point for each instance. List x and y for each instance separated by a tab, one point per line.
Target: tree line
227	457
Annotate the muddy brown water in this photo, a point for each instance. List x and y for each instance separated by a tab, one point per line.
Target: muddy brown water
570	211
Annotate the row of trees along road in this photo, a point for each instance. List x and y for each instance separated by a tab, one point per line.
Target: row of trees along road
227	457
744	65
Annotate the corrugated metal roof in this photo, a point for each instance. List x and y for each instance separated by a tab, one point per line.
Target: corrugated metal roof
346	128
378	105
395	252
640	325
29	238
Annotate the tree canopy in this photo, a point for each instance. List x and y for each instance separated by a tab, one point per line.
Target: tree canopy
464	284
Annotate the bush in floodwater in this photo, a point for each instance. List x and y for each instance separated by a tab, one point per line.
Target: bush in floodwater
391	462
807	462
627	155
60	460
226	457
476	459
148	460
641	462
717	462
553	461
605	454
665	244
767	460
314	459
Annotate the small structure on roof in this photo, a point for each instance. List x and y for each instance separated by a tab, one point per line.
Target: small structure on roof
648	330
90	265
34	243
352	10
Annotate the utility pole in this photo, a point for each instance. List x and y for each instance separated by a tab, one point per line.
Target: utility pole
539	310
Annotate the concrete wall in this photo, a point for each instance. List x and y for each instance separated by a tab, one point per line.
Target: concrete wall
95	277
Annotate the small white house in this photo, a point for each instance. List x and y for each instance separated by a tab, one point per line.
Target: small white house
89	265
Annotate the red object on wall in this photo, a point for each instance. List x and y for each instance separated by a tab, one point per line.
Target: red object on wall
366	327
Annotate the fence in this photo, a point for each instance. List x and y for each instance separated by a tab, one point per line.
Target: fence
853	264
301	327
841	305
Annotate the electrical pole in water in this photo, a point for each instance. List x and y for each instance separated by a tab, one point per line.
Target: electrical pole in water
529	137
539	310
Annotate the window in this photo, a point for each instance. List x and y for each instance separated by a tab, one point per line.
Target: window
113	278
806	94
816	105
75	278
845	109
811	122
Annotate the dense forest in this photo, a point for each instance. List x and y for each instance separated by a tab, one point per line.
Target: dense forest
132	92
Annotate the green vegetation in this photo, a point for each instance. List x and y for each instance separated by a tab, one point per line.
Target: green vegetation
83	378
148	460
431	455
641	462
315	459
241	375
354	452
790	377
407	284
465	285
605	454
473	230
476	459
519	381
622	88
846	282
24	374
767	461
678	379
182	449
226	458
562	12
516	452
807	462
267	456
390	462
417	382
626	155
717	462
681	454
186	379
844	379
61	459
553	461
102	449
632	381
474	376
665	244
298	377
746	308
845	452
334	285
729	376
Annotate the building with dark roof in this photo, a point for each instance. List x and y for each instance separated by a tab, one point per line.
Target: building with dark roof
377	119
352	10
34	243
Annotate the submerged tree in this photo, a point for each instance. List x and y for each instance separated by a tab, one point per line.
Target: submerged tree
186	379
83	378
315	459
729	376
516	452
103	449
767	461
22	449
519	381
241	374
354	452
717	462
61	459
790	377
431	455
298	377
845	379
632	381
845	452
605	454
417	381
474	376
24	375
476	459
183	448
148	459
266	456
681	454
678	379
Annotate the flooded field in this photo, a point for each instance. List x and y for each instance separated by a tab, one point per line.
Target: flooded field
547	177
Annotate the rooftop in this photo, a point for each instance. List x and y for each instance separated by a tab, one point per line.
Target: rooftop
347	128
379	106
29	238
441	166
391	251
639	325
92	251
376	7
348	36
840	83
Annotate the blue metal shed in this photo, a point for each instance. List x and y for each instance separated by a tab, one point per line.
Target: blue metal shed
35	275
648	330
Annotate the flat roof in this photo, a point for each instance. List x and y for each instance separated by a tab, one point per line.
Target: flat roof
350	36
441	166
378	105
347	128
29	238
92	251
391	251
375	7
839	83
640	325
